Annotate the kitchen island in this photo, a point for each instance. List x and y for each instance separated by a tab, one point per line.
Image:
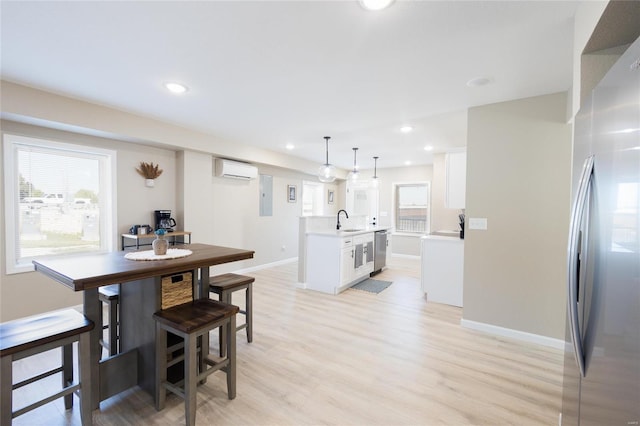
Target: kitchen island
339	259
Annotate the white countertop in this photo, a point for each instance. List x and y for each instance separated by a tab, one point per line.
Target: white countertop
443	238
341	233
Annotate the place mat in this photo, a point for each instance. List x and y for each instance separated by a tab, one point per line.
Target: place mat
372	286
149	255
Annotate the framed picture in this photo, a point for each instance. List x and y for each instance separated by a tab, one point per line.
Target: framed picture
330	197
291	193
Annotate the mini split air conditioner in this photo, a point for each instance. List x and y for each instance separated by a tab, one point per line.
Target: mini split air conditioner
235	169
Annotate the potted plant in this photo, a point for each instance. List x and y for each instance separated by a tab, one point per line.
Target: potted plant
149	171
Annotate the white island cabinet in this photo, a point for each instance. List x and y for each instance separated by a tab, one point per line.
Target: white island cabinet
442	269
336	261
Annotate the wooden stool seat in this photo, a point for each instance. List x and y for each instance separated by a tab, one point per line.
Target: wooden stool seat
194	316
224	285
192	321
229	281
29	336
109	293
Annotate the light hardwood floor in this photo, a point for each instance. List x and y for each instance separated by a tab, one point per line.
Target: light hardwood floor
356	359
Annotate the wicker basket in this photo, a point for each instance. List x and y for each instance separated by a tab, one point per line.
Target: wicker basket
177	289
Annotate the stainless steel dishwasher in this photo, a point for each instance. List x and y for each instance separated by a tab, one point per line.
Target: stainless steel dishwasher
380	258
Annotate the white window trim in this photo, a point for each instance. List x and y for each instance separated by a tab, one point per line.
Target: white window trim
13	264
394	186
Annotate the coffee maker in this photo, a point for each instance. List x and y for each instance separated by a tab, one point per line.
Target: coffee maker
164	220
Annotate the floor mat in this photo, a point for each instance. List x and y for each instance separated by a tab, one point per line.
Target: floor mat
372	286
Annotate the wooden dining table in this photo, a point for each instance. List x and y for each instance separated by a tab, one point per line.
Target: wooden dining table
140	296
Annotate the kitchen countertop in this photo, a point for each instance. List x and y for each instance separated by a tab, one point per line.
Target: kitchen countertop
340	234
442	237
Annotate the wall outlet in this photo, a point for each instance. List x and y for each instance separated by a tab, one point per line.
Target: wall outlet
478	223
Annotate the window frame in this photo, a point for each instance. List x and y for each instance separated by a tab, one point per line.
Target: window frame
396	187
107	160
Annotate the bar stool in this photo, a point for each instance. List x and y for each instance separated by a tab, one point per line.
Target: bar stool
224	286
191	321
29	336
110	295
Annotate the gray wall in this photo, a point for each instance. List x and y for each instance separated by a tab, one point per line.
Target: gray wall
518	177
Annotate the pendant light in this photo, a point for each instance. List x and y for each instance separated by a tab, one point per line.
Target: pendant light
374	180
354	174
327	172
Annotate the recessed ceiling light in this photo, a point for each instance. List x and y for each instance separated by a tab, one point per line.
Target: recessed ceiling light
428	148
176	87
478	81
406	129
375	4
290	146
407	163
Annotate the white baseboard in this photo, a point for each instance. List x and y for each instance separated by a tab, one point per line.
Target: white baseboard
514	334
405	256
266	265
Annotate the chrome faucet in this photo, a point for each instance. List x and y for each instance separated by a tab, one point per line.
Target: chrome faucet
338	217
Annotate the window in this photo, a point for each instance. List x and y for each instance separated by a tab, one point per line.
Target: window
59	199
412	207
312	198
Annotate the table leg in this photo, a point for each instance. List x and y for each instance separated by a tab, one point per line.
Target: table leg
202	292
92	309
202	286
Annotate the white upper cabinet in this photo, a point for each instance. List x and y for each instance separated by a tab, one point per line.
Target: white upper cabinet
456	170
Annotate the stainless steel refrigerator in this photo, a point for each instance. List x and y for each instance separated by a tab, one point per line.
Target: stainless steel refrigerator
602	356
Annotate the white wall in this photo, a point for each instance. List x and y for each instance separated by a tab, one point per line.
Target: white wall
216	210
402	244
441	217
225	211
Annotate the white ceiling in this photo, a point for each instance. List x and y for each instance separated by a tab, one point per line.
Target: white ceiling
268	73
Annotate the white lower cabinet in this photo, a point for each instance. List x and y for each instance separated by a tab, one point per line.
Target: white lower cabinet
347	257
335	263
442	269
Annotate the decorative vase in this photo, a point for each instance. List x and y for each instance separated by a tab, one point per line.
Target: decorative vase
149	183
160	245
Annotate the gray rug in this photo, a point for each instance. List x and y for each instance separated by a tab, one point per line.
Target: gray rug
372	286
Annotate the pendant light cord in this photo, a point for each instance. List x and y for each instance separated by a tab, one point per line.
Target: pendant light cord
326	139
355	152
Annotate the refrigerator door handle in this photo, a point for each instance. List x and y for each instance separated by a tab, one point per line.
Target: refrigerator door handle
577	213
